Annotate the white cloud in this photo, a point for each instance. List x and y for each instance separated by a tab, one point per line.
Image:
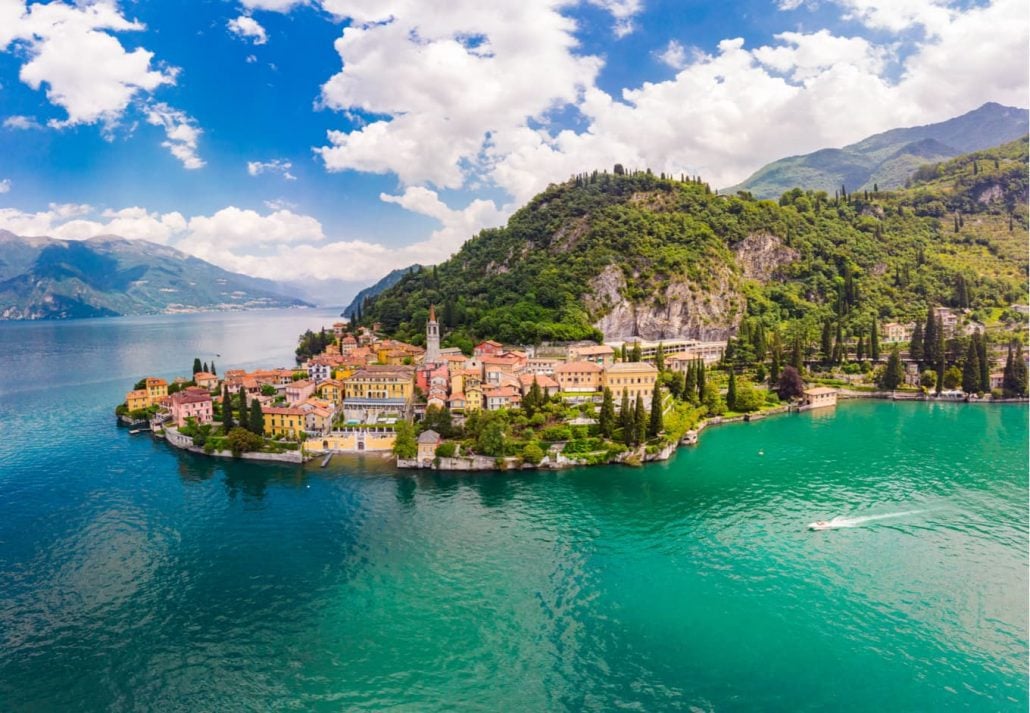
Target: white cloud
245	26
273	5
87	72
674	55
623	11
23	123
5	185
276	165
181	133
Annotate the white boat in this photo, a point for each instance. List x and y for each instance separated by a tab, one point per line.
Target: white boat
820	525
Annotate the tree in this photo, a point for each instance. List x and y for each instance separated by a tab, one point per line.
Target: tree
534	398
915	347
640	420
491	438
713	401
789	386
931	337
404	445
214	372
256	419
952	377
626	417
984	360
636	354
940	374
244	416
227	421
797	356
1015	377
971	369
748	398
690	384
701	377
825	348
196	365
656	425
606	420
622	354
241	441
928	379
894	374
860	349
659	358
774	366
438	419
874	342
731	392
532	453
838	344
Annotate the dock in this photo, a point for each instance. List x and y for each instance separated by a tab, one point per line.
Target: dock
325	461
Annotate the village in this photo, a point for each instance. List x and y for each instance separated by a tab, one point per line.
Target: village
558	405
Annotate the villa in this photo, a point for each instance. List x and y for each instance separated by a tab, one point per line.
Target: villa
637	378
578	376
284	421
192	403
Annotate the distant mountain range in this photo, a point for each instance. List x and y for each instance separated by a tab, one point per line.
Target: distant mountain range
47	278
887	160
384	284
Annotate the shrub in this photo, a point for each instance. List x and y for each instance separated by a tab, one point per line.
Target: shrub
446	450
532	453
556	433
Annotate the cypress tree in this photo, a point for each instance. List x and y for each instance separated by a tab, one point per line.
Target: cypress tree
196	365
659	358
606	421
774	366
838	344
1019	371
655	426
971	369
860	349
626	417
640	420
690	386
623	357
256	418
940	355
244	416
940	373
915	347
731	392
930	338
874	342
985	362
213	371
227	420
894	374
700	380
636	354
797	357
825	346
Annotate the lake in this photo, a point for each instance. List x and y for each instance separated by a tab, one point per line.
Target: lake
136	577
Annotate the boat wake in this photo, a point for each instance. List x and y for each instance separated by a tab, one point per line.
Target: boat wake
841	521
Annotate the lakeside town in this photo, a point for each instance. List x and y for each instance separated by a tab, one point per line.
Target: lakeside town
553	405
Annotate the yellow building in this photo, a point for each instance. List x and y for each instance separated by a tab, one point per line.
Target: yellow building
380	386
582	376
157	389
342	373
331	390
137	400
280	421
635	377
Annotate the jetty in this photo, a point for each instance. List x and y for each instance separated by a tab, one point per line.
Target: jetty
325	461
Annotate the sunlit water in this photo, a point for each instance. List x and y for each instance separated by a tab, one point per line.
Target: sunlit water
134	577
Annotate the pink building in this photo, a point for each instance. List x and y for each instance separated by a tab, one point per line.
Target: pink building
299	391
191	404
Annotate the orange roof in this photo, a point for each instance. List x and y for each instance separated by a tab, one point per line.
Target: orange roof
572	366
542	380
137	394
499	360
594	349
502	391
283	411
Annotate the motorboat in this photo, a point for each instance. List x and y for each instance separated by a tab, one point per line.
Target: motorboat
820	525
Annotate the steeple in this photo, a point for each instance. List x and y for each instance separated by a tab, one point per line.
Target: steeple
432	338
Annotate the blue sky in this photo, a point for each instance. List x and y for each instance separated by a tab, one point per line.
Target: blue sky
337	139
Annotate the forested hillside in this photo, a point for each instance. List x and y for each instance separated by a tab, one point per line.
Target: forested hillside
625	253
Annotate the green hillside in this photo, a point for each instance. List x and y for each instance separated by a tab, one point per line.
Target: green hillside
886	160
956	237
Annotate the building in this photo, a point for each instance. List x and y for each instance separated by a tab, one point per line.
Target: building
542	364
192	403
157	389
331	390
137	400
377	389
819	397
548	386
427	443
578	376
600	354
432	338
487	348
205	380
997	379
299	391
636	377
709	352
285	421
495	366
897	332
319	369
498	397
948	319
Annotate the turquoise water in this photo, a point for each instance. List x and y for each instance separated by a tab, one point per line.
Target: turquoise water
134	577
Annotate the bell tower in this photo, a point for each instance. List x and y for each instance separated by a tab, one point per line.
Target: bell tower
432	338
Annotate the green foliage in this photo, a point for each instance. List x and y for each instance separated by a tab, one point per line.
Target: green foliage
894	374
404	445
491	439
655	424
446	450
606	419
748	397
532	453
1014	380
227	420
255	419
438	419
952	377
268	390
241	441
713	400
313	343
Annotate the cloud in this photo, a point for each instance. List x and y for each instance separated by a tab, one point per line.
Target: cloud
245	26
86	71
23	123
5	185
674	55
276	165
623	11
181	133
274	5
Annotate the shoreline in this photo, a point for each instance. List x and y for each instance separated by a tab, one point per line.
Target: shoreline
483	464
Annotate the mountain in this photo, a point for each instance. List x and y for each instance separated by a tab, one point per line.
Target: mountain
387	282
46	278
619	255
886	160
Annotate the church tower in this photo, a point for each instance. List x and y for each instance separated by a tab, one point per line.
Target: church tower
432	338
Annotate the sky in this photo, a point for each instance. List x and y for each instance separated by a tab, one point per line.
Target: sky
311	140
